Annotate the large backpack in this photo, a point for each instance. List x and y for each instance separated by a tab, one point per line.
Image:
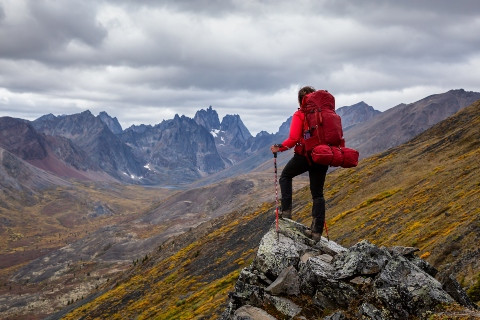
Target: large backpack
323	132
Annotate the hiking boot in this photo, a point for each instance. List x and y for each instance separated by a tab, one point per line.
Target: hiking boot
316	236
286	214
315	232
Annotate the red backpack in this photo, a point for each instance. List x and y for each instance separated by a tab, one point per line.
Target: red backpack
323	132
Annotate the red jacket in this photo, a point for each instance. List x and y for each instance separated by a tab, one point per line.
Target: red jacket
295	137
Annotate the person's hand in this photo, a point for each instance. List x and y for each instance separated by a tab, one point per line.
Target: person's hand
274	148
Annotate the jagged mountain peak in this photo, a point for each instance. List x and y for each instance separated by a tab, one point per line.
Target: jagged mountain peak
230	120
46	117
262	133
284	128
83	123
208	118
234	124
112	123
140	128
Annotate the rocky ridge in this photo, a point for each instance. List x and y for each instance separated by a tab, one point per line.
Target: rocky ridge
292	277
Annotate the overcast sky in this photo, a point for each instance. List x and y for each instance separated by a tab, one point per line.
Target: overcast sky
144	61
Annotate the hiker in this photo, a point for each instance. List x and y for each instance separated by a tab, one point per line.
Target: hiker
300	164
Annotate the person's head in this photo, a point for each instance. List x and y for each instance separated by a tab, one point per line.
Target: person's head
303	92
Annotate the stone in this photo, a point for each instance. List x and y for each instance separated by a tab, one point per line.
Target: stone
455	290
248	312
287	283
402	251
313	272
406	289
325	257
363	258
276	252
329	247
335	316
424	265
361	280
367	311
285	306
338	293
306	256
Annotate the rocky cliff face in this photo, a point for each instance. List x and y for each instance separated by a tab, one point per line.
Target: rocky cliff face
208	119
292	277
236	134
112	123
231	136
177	150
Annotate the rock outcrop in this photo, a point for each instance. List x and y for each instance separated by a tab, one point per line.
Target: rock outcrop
292	277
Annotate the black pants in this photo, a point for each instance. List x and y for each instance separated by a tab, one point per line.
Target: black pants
317	172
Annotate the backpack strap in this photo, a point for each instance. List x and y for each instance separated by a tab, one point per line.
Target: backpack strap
318	115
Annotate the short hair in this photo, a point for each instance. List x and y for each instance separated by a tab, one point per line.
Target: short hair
303	92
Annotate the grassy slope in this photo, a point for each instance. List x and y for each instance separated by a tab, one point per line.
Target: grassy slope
424	193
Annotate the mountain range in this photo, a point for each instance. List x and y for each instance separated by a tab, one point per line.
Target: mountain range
65	175
184	150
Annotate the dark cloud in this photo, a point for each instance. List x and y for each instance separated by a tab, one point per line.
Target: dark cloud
44	28
245	57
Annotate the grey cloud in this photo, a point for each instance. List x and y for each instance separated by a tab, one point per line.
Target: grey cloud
48	28
2	13
245	57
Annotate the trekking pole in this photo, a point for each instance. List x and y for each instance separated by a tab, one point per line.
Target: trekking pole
326	230
276	191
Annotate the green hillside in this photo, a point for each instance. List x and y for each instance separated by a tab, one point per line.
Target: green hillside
425	194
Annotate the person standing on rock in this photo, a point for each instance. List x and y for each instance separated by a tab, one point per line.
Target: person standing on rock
300	164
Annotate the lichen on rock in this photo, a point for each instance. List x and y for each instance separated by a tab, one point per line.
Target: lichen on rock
293	277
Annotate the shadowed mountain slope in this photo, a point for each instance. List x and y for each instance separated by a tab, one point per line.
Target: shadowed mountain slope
424	193
20	182
102	147
56	155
